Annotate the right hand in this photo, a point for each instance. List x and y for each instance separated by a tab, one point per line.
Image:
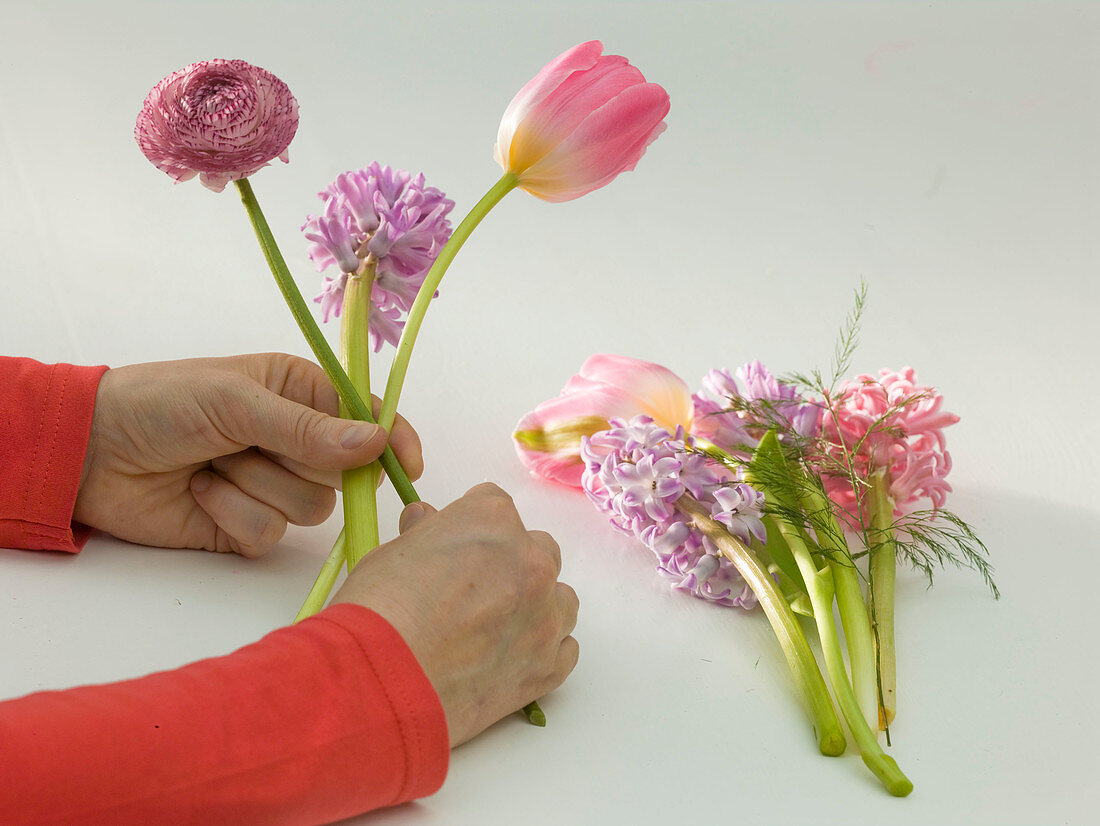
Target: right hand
476	597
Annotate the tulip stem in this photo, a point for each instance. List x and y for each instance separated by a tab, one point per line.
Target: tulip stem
326	578
508	181
317	342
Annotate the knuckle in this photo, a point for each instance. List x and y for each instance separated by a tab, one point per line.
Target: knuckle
321	506
490	489
269	529
308	426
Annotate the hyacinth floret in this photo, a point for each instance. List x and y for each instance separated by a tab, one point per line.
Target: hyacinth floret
636	471
390	217
736	419
891	425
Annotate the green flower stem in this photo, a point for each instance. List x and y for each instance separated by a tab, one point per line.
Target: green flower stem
819	582
883	570
784	623
849	599
400	366
359	484
321	349
326	578
769	473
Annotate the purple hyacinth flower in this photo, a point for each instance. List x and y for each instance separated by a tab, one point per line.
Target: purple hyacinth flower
391	218
635	472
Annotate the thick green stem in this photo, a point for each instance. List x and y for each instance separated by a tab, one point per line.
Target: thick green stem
359	484
400	365
326	578
317	343
770	473
849	599
819	581
784	623
883	572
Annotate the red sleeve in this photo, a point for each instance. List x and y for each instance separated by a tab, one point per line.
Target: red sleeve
312	724
45	419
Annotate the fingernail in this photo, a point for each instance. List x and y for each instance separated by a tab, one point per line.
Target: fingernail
358	435
200	482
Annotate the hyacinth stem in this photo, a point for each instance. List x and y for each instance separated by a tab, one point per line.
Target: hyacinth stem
849	598
400	366
326	578
784	623
883	572
359	484
819	582
317	342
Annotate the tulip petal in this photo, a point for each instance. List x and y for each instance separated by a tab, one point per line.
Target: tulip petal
566	107
609	141
548	438
582	56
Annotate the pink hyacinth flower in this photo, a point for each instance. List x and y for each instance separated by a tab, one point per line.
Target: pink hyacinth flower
578	123
548	438
894	426
222	120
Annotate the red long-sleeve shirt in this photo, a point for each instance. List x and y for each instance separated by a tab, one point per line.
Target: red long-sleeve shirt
312	724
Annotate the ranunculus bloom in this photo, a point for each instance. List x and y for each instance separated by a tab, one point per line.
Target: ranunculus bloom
578	123
222	120
548	439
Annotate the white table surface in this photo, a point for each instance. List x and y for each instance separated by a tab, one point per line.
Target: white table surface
945	153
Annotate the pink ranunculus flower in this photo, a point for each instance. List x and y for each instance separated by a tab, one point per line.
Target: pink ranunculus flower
890	425
578	123
548	439
222	120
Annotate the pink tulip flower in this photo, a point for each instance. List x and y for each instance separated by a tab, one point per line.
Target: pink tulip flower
578	123
548	439
222	120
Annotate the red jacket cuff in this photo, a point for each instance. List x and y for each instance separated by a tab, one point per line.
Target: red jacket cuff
45	420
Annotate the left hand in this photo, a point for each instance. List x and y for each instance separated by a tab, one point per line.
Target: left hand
222	453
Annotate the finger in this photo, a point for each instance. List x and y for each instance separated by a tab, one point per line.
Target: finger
253	526
568	654
294	378
406	445
548	545
302	381
255	416
328	478
568	606
412	514
302	502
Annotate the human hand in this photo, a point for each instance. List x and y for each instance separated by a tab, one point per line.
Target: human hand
222	453
476	597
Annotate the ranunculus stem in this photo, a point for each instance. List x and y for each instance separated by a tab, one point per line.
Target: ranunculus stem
326	578
360	504
784	623
400	365
321	349
883	572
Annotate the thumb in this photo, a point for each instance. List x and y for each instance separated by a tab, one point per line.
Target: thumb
412	514
303	434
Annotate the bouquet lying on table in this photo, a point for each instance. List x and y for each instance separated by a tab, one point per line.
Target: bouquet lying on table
582	120
793	495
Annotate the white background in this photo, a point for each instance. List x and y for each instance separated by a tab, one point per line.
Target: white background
944	153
